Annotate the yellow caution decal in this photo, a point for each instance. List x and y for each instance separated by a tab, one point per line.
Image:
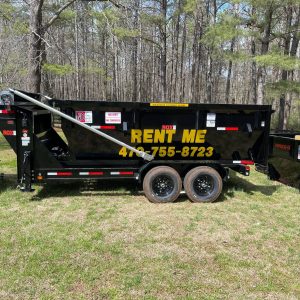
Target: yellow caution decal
168	104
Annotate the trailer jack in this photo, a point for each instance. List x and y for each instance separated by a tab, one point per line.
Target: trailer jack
25	182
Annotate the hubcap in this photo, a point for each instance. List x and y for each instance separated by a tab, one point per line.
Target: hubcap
203	185
162	185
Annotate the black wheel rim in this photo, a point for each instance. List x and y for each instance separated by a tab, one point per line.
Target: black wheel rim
203	185
163	186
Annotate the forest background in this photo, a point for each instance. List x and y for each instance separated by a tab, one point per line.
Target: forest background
198	51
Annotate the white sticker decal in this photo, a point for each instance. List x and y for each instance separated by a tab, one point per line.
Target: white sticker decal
84	116
25	140
211	117
210	123
113	117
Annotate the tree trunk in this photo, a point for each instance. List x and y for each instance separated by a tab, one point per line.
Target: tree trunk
163	58
135	55
183	48
35	45
284	76
261	73
228	80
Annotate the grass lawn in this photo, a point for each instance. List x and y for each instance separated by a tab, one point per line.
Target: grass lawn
109	242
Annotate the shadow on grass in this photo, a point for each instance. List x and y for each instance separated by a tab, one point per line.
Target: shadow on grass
107	188
8	182
239	184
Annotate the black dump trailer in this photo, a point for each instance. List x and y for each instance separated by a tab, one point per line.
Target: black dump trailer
284	158
162	146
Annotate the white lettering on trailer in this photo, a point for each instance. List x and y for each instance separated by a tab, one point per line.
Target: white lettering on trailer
84	116
113	117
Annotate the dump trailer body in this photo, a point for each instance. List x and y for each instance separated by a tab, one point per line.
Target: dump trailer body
220	132
284	159
179	136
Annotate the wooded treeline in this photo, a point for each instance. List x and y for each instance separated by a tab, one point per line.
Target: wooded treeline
156	50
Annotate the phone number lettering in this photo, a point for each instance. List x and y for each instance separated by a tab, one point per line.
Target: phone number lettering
171	151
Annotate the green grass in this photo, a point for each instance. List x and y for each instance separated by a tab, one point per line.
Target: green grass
72	242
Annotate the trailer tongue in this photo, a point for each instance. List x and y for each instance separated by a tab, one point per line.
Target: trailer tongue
161	145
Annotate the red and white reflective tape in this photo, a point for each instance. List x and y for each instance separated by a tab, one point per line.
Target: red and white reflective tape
6	112
93	173
59	173
122	173
228	128
104	127
244	162
9	132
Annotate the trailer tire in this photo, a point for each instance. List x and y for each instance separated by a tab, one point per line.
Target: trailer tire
203	184
162	184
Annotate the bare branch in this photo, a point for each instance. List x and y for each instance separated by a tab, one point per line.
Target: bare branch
57	14
113	2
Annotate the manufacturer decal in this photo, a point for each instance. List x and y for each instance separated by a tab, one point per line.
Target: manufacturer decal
113	117
168	127
84	116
